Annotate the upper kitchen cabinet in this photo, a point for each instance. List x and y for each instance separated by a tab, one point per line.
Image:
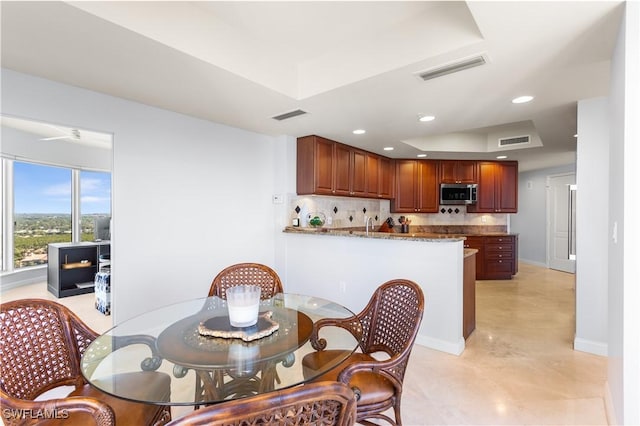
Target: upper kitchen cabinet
315	166
326	167
458	171
386	177
416	183
497	187
379	176
342	169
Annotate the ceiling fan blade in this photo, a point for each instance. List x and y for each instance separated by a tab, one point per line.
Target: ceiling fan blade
54	138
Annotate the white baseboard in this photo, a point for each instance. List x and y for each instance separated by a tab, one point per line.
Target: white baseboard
441	345
590	346
26	276
533	262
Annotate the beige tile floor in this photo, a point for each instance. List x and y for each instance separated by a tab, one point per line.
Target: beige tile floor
518	368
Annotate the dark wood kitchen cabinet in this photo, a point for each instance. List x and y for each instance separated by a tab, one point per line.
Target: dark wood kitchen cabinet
358	173
327	167
315	166
458	171
416	186
469	295
500	257
386	178
379	176
350	171
372	186
478	244
497	257
497	187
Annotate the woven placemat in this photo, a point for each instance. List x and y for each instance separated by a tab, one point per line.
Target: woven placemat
221	327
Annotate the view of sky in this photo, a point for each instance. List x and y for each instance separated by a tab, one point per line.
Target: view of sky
46	189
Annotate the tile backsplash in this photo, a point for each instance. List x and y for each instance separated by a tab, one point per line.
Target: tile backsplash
341	212
345	212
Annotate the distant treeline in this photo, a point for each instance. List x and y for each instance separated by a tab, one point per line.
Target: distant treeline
33	232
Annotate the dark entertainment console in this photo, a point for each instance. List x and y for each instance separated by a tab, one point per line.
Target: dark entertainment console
72	267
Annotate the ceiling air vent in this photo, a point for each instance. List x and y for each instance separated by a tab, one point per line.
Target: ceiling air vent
452	67
289	114
516	140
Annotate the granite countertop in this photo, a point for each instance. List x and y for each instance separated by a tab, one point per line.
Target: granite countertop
470	252
416	236
432	234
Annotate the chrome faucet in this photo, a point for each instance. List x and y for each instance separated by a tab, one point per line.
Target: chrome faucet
367	221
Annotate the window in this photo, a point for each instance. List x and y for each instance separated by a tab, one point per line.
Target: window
95	205
42	211
46	200
55	186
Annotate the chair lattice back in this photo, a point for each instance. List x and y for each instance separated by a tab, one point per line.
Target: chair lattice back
41	343
246	273
321	403
391	319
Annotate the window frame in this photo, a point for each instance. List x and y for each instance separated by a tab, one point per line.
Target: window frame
7	226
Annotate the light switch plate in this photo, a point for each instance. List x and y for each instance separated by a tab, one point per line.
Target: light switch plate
278	199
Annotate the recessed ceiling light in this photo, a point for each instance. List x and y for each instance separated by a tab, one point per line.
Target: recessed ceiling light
425	118
359	132
501	157
522	99
422	155
388	148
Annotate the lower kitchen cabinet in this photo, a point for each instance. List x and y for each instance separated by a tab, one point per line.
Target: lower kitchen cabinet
497	257
469	296
72	267
477	243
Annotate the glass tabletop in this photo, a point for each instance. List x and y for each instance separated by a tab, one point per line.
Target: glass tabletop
177	340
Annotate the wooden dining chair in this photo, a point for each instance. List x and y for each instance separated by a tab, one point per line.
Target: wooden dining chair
389	323
322	403
247	383
246	273
41	344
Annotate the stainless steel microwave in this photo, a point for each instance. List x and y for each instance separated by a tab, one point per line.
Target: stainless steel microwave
458	193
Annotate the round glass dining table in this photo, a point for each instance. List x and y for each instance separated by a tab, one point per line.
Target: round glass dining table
209	361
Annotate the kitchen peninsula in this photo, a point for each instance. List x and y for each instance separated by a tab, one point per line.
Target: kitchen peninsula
347	266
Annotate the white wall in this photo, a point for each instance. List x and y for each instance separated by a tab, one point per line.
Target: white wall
631	299
347	270
189	196
592	178
531	220
623	292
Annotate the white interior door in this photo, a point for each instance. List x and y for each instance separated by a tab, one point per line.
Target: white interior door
559	222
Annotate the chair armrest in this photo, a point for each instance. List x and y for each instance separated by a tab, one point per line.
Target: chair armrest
17	411
351	324
392	368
